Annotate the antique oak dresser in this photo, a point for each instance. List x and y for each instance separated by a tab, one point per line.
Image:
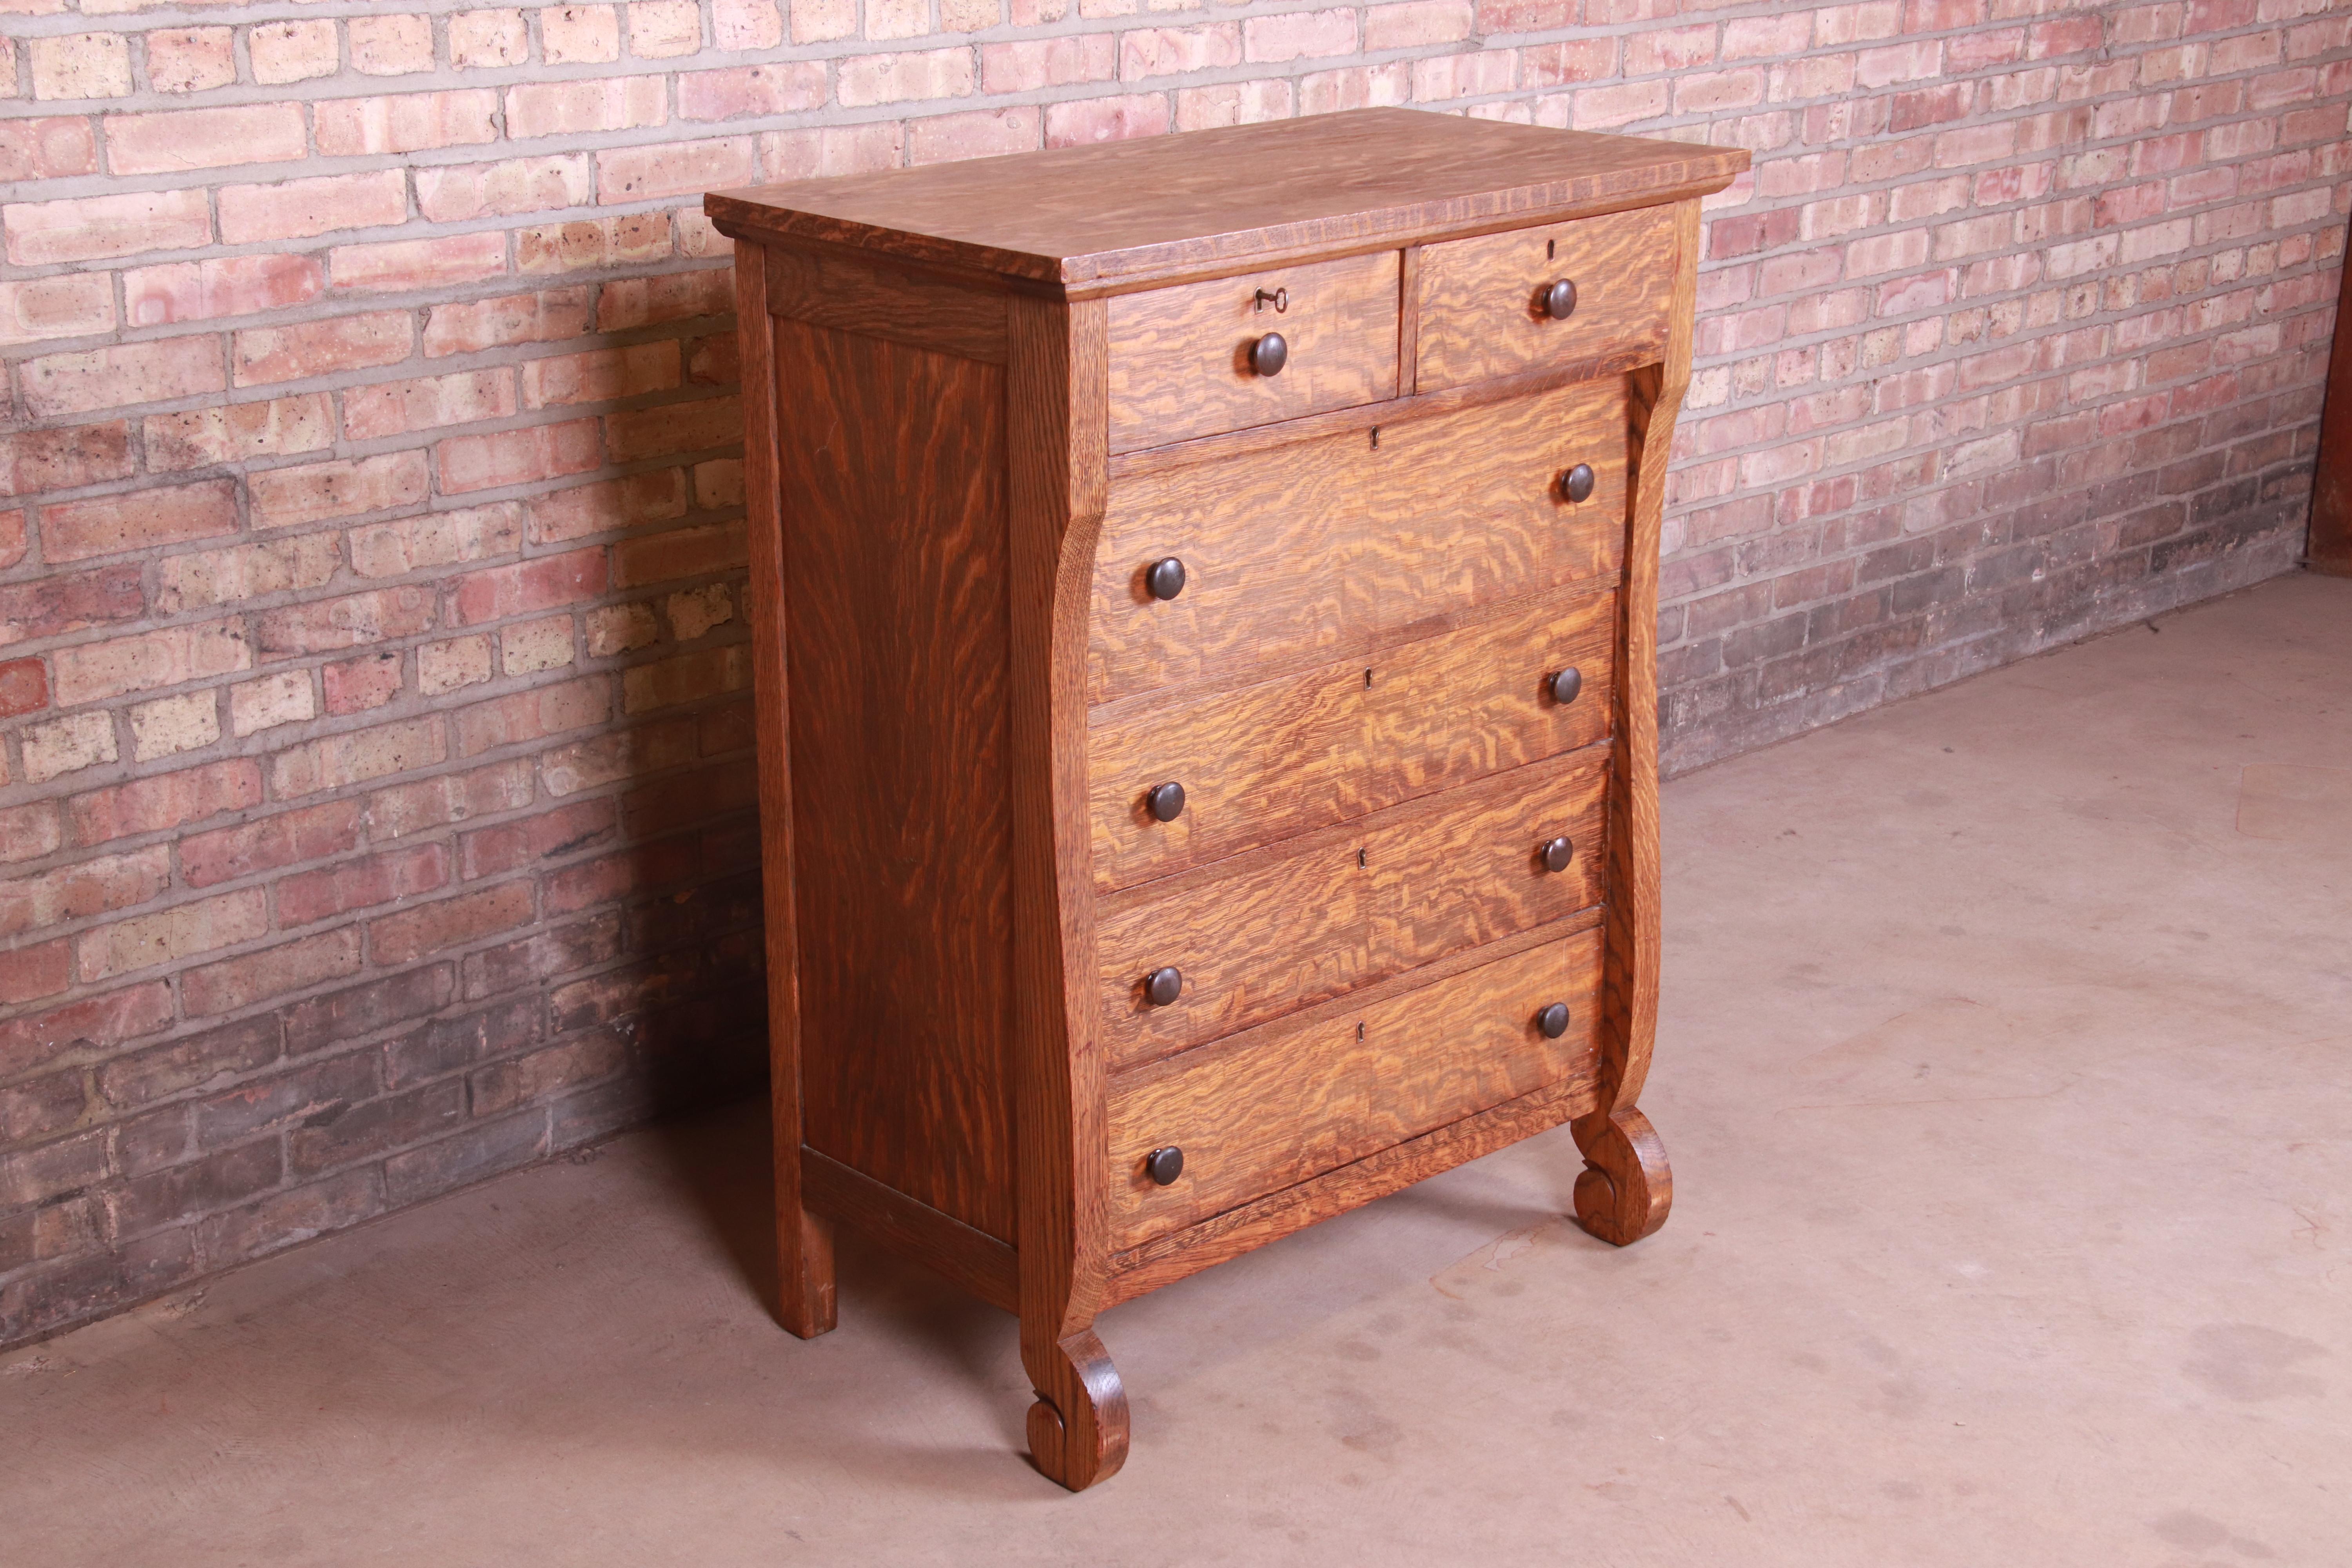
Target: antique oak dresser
1203	599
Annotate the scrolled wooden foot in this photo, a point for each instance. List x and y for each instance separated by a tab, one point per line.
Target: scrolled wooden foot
1077	1429
1626	1187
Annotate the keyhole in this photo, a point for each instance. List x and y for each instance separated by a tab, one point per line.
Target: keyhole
1376	438
1551	248
1359	1031
1360	859
1367	681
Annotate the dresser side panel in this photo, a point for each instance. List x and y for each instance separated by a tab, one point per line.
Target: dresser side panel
891	463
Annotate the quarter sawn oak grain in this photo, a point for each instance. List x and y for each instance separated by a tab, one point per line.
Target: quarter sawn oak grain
982	399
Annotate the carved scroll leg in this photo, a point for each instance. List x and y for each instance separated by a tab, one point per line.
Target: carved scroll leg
1625	1189
1077	1429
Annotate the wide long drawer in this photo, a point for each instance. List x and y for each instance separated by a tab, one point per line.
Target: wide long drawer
1340	539
1286	756
1289	925
1276	1105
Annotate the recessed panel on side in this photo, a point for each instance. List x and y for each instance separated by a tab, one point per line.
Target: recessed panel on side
891	467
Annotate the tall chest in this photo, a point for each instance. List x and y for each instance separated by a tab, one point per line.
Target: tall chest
1205	594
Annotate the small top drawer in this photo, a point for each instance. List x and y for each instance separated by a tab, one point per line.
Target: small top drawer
1486	303
1193	361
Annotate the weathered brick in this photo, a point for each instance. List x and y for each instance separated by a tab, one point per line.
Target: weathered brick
93	227
139	520
428	928
359	127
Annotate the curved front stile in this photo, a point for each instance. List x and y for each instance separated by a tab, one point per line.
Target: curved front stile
1056	389
1626	1189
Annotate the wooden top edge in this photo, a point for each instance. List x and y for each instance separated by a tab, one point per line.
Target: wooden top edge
1089	218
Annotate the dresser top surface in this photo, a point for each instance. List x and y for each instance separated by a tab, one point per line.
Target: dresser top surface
1165	205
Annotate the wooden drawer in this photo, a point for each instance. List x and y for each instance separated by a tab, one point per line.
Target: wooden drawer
1282	757
1284	927
1480	300
1179	357
1335	541
1272	1107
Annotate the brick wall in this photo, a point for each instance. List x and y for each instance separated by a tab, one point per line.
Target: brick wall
377	793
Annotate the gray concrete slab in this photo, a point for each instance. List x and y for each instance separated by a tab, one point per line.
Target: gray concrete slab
2006	1064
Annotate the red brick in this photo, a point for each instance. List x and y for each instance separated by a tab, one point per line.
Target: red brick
68	305
308	897
168	369
93	227
580	108
181	139
296	209
65	459
654	496
672	428
452	922
628	302
452	797
549	315
358	127
518	456
235	432
533	715
24	687
678	553
516	185
594	243
1032	64
313	491
1092	119
549	835
164	801
47	149
675	168
307	349
92	888
783	88
295	966
354	620
191	60
357	685
228	286
30	974
92	1025
139	520
543	582
600	375
413	264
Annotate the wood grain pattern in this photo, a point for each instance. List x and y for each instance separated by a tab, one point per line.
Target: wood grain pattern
1479	315
805	1303
1179	357
2330	550
1272	1106
1348	540
1286	756
892	487
1151	210
1264	933
966	1257
1140	1270
1058	380
1636	1168
850	295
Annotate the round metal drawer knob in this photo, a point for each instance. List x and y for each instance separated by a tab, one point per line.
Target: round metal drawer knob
1560	300
1269	355
1577	483
1553	1021
1556	854
1165	801
1164	1165
1567	684
1165	578
1163	986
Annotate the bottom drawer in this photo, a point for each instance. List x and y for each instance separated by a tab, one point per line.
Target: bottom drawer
1271	1106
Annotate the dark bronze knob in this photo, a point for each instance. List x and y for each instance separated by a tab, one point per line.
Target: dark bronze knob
1164	1165
1556	854
1165	578
1560	300
1553	1021
1163	986
1577	483
1567	684
1165	801
1269	355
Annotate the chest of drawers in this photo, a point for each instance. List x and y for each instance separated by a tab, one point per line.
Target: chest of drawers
1204	607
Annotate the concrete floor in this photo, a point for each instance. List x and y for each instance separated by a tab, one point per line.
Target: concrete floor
2004	1067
